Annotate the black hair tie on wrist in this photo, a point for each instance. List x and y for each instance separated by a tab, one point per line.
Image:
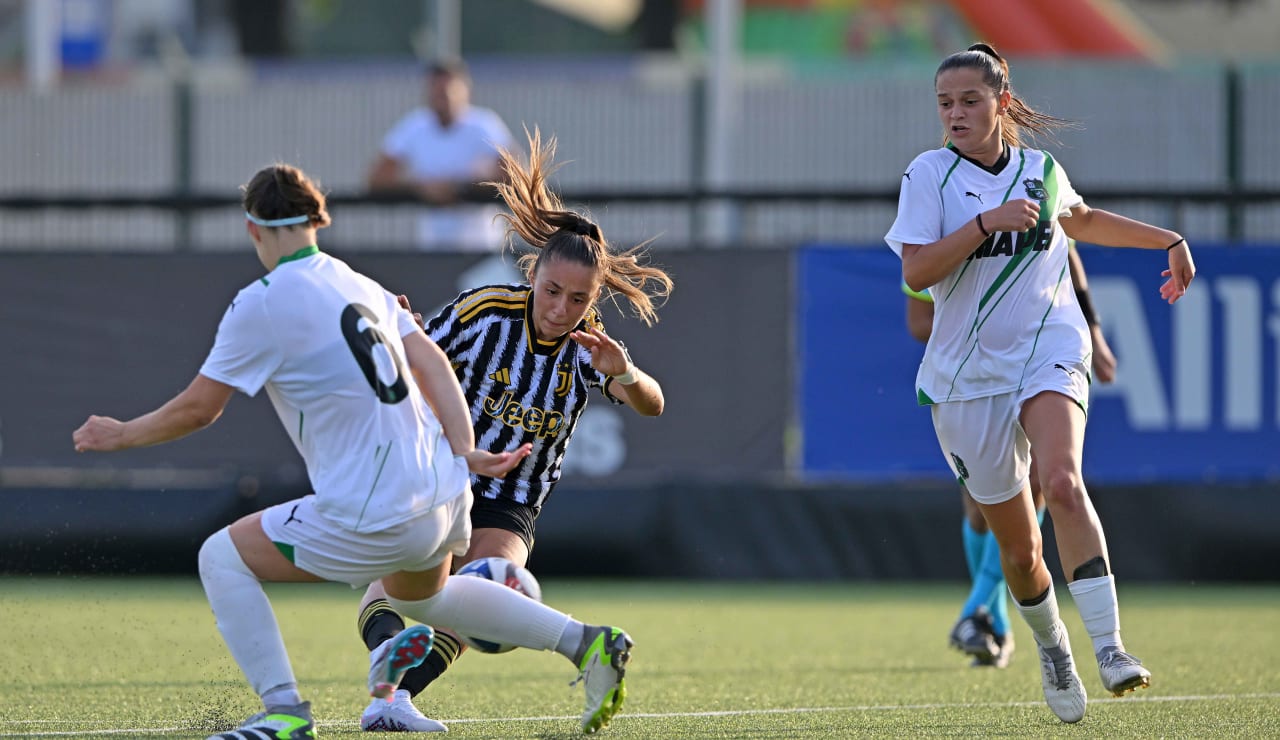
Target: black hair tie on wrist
1181	240
981	228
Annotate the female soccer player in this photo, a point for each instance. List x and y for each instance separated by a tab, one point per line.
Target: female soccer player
374	409
983	224
983	629
527	357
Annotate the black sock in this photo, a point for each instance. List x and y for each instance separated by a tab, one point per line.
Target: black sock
378	623
444	651
1095	567
1036	599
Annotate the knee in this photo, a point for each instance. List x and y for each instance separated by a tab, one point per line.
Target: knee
1023	556
218	554
1063	490
207	559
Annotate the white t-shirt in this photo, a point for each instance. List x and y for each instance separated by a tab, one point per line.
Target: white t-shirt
466	151
1010	307
325	341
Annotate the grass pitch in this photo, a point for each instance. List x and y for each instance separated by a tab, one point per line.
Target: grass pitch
140	657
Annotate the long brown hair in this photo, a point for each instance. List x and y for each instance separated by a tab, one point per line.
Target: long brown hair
995	73
558	233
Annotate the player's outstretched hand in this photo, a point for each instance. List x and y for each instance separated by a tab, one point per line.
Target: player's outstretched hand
607	355
496	464
1180	273
99	434
417	317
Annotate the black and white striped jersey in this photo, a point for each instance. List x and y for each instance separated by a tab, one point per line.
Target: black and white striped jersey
519	388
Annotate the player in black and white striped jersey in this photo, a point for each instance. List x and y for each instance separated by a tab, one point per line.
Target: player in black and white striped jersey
528	356
519	386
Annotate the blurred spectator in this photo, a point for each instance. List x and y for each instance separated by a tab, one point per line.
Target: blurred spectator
440	152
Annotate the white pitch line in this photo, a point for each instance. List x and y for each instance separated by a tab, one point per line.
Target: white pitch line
662	715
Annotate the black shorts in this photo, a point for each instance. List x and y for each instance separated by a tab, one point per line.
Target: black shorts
501	513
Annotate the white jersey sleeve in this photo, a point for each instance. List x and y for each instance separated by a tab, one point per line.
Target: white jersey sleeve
1068	198
919	207
404	320
244	354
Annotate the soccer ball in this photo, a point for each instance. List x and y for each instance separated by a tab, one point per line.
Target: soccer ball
500	570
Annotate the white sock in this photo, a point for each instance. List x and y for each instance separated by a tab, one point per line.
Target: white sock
1043	619
490	611
244	616
1096	600
570	643
281	696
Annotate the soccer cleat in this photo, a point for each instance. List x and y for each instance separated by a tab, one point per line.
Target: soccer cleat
1003	655
1121	672
1063	691
279	723
398	715
601	671
974	635
389	661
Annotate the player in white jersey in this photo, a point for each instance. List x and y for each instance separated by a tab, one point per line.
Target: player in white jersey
983	224
377	414
983	630
528	357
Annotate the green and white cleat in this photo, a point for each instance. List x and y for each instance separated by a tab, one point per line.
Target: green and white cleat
282	723
602	670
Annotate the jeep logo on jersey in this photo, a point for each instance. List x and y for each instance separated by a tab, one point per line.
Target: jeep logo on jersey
1035	189
535	420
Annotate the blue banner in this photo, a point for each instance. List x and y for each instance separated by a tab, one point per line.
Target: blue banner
1195	399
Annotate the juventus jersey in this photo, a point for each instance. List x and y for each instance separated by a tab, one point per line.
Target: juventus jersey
520	388
1009	308
325	342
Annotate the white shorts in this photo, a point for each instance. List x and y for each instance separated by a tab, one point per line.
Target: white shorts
983	440
335	553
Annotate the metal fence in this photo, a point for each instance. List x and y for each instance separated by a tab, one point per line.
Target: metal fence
153	165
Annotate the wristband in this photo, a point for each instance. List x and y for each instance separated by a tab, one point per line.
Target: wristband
1181	240
628	377
978	219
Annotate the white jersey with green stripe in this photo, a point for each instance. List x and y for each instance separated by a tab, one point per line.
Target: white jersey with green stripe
1009	308
325	342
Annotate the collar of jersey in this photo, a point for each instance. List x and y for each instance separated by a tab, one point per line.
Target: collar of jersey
301	253
537	346
994	169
